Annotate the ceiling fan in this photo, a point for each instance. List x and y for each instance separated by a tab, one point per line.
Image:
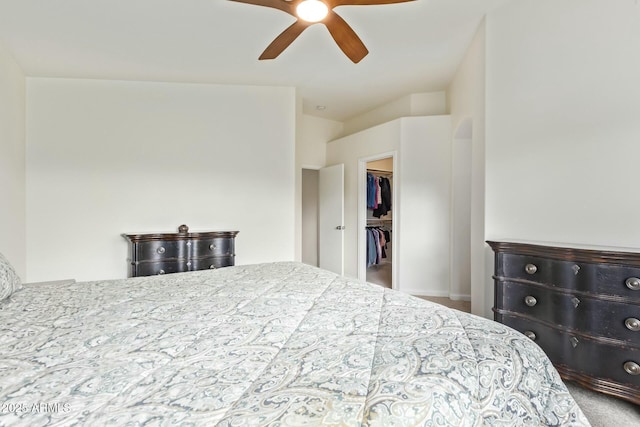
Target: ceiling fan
309	12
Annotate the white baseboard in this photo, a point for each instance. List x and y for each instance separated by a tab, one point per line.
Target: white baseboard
460	297
422	293
441	294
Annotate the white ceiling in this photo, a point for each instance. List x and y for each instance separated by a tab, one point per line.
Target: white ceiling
413	47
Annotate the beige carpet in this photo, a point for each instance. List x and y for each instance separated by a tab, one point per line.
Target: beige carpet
603	410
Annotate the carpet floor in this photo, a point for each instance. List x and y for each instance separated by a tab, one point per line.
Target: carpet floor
603	410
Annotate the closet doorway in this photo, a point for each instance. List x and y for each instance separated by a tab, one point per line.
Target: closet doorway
377	209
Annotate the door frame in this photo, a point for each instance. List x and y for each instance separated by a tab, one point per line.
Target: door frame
362	216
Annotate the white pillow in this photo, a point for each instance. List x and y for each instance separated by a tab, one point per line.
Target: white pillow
9	280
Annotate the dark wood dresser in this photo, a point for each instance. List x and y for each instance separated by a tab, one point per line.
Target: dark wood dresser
580	305
163	253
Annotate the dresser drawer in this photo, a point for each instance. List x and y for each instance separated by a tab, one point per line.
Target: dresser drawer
212	262
159	250
589	315
582	354
217	246
608	279
156	268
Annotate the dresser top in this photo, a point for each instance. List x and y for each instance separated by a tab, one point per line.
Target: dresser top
137	237
577	252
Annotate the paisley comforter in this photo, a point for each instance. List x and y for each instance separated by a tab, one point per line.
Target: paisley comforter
270	344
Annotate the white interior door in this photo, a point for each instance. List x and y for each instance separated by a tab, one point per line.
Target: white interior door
331	219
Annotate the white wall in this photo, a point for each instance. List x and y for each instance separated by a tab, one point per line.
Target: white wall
466	99
416	104
422	210
424	179
563	128
12	163
311	145
104	158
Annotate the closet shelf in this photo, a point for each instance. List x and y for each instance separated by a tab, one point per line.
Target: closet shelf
380	172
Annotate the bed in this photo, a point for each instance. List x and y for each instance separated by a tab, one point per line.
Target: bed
281	344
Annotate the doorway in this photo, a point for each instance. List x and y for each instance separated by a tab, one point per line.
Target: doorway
310	186
377	207
322	222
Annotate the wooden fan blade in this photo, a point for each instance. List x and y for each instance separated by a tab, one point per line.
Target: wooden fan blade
275	4
336	3
345	37
284	40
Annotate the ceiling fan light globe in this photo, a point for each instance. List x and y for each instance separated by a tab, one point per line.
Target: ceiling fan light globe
312	10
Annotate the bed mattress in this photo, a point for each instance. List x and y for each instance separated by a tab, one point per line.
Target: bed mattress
269	344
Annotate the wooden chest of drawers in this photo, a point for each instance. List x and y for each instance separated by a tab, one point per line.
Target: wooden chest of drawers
582	306
163	253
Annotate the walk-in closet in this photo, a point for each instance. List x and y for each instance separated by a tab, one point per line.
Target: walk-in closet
379	226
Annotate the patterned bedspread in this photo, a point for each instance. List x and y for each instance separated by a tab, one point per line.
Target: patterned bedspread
271	344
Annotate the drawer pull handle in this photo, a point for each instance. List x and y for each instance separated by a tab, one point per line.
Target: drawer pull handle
575	301
161	272
574	342
531	335
576	269
530	268
161	250
212	267
632	368
212	246
633	283
632	324
530	300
